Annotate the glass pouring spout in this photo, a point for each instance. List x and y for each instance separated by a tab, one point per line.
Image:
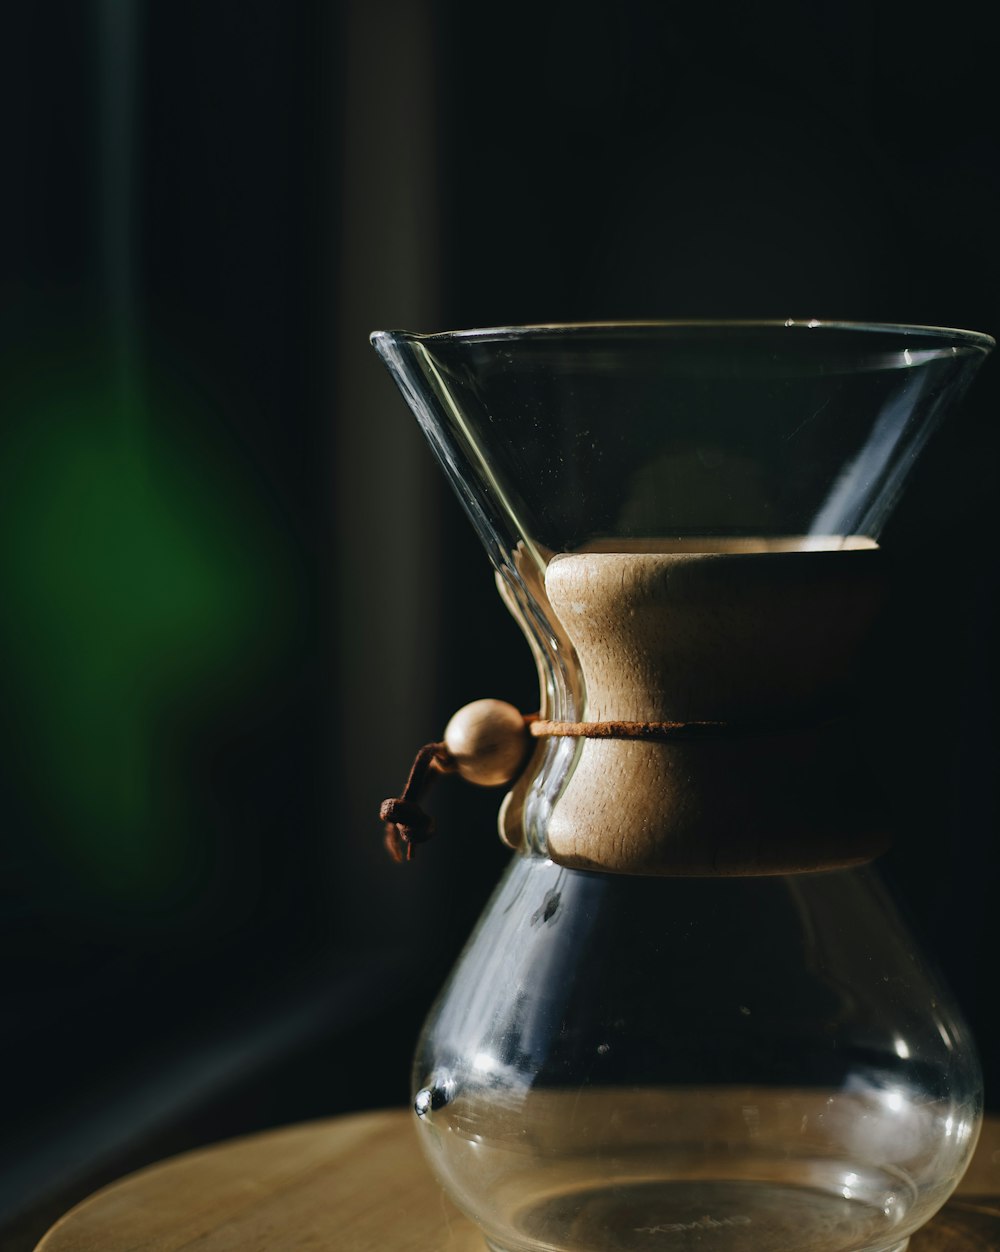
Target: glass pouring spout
690	1017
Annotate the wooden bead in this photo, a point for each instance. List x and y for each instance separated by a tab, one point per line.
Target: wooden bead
489	741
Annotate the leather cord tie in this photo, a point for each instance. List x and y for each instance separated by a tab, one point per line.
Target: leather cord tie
489	731
655	731
664	732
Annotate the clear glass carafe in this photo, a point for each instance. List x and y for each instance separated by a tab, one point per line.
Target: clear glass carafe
690	1017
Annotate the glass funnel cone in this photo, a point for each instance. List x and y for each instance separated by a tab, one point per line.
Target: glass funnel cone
690	1018
559	437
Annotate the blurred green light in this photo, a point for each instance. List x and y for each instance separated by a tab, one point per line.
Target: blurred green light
142	579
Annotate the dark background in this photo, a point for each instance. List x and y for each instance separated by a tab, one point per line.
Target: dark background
236	595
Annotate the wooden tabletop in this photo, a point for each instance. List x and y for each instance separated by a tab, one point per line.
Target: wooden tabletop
359	1184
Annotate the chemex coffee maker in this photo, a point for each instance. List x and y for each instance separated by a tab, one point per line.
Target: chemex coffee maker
689	1018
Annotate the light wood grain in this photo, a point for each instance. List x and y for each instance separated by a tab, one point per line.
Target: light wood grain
359	1184
751	639
353	1184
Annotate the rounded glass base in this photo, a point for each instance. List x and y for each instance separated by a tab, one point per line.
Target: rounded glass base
723	1215
640	1065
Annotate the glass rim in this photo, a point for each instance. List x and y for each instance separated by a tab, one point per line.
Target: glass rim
613	329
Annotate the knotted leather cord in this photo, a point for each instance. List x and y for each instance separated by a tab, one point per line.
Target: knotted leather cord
406	823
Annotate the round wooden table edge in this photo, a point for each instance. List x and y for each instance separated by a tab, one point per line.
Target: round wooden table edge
371	1119
258	1175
